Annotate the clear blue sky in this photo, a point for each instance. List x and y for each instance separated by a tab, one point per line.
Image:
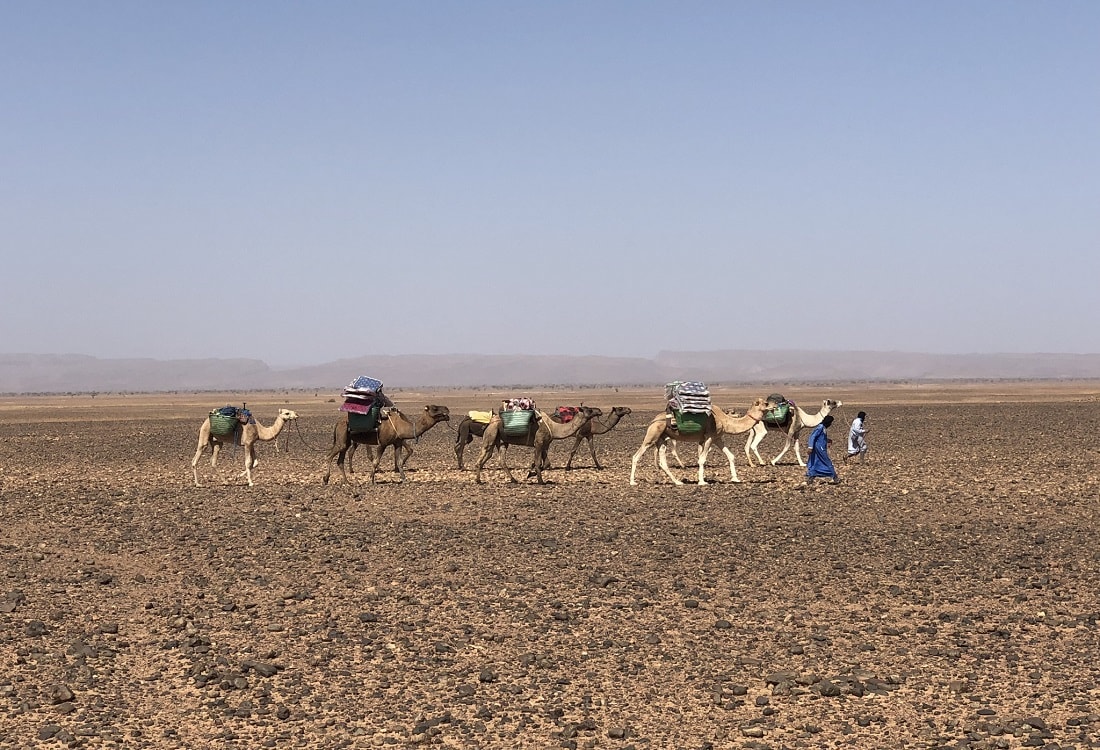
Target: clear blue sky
301	182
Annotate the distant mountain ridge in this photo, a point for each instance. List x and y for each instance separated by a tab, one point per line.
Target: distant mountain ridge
74	373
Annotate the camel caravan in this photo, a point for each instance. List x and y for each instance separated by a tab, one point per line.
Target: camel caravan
520	423
369	418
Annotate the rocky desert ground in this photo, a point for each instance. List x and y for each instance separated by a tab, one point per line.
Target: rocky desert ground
945	595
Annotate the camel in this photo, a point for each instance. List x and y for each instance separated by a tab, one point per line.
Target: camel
468	429
394	430
792	427
592	428
249	434
539	435
663	428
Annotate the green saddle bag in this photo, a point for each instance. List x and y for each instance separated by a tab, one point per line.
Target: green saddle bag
779	414
690	422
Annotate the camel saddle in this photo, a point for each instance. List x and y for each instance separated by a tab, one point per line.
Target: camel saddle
484	417
517	422
690	422
368	422
228	419
781	413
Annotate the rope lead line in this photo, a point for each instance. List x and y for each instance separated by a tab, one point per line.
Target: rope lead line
301	437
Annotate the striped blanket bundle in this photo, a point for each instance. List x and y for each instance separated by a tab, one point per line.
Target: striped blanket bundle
359	395
688	396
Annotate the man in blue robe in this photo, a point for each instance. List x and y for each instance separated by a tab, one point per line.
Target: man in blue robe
818	463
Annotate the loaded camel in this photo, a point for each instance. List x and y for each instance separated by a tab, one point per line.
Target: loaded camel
791	427
249	433
592	428
663	429
394	430
540	433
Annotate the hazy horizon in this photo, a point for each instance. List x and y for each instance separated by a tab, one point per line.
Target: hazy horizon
655	356
302	183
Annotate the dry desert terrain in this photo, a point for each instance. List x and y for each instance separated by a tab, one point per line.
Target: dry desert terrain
945	595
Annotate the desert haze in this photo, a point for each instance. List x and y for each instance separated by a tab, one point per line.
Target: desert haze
69	373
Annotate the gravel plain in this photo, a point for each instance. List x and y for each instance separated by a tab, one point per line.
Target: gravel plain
945	595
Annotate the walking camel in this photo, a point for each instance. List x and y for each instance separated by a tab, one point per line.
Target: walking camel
541	432
394	430
663	428
249	433
398	446
796	419
592	428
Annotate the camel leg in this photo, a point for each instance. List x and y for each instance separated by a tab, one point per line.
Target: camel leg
756	436
375	460
204	440
592	450
786	447
653	435
798	452
733	469
504	463
573	453
399	466
634	463
195	463
671	448
487	448
461	441
338	452
662	461
249	461
348	456
704	451
538	460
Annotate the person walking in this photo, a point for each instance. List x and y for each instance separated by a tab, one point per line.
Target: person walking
857	441
818	463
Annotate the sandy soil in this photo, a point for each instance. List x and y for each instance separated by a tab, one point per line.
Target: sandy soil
944	595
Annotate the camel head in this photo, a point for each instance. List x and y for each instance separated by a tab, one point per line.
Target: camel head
589	411
287	414
828	405
759	406
622	411
438	413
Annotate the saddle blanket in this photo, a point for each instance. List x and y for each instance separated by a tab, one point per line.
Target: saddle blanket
566	413
356	406
480	416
